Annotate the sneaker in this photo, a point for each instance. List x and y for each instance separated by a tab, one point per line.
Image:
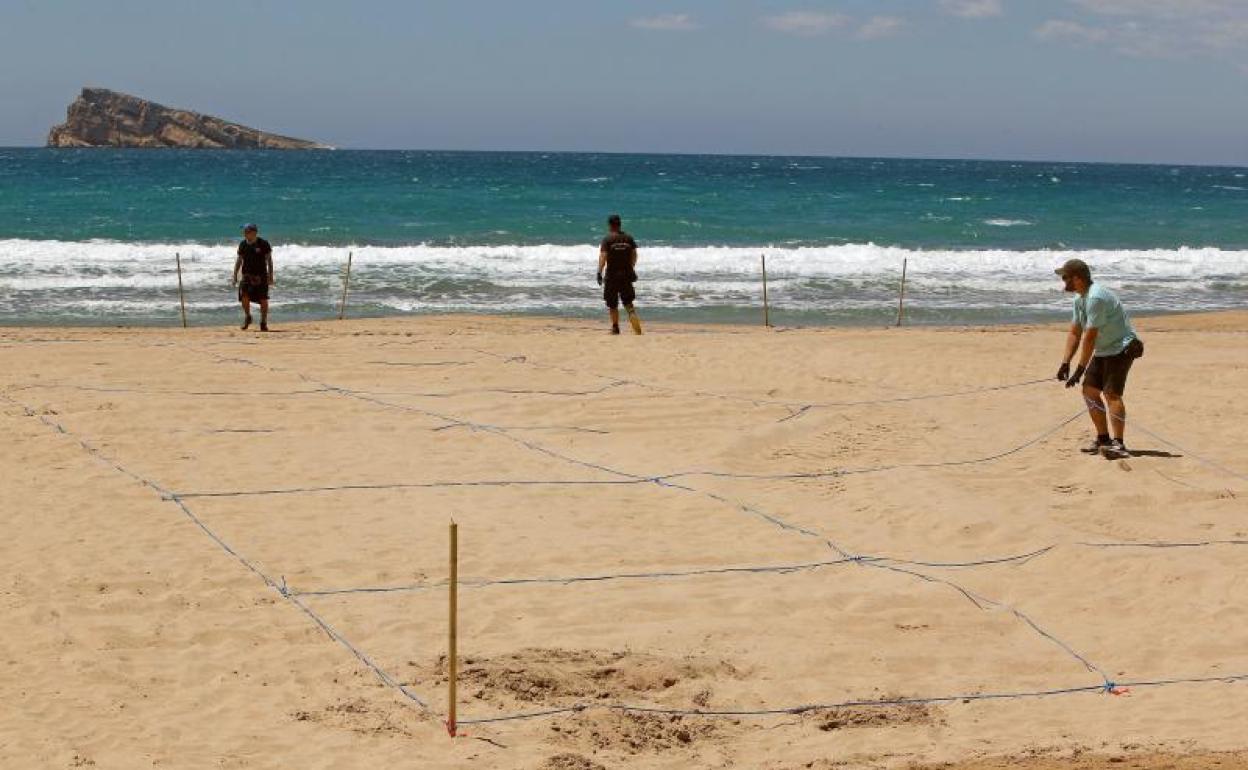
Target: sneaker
615	329
246	322
1094	446
264	327
1115	450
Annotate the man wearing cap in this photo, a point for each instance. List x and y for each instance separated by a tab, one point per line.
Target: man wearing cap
1110	346
617	260
255	257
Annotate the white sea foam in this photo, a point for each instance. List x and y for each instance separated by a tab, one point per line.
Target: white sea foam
89	278
1008	223
110	261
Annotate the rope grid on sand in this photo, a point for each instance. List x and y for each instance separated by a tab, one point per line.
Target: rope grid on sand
795	409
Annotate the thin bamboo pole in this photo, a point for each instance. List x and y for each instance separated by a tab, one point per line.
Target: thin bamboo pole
181	295
901	296
766	305
346	284
452	652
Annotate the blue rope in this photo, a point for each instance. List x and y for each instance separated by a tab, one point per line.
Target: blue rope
782	569
1109	687
568	580
414	485
1163	544
503	391
876	468
798	408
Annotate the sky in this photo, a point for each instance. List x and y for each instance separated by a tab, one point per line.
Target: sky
1143	81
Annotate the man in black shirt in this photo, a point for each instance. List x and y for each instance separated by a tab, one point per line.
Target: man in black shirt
617	260
255	257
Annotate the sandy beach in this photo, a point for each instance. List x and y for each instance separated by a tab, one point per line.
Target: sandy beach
705	547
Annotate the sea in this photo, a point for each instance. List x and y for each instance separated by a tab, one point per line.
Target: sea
94	236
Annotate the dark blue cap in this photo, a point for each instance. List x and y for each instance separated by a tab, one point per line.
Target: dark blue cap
250	226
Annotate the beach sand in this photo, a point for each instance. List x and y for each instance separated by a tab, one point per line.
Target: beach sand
187	512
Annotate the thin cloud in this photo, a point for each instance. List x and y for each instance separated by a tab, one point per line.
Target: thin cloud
1157	29
1070	31
880	27
667	22
1159	9
806	23
973	9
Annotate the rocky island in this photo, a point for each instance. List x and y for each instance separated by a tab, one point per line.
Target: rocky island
103	118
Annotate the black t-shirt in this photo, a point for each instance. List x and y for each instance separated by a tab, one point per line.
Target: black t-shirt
620	248
254	254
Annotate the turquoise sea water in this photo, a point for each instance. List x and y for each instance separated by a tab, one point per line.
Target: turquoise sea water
88	236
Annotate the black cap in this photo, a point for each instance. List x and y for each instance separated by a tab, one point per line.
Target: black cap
614	219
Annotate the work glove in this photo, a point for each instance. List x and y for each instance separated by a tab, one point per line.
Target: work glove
599	278
1063	371
1078	375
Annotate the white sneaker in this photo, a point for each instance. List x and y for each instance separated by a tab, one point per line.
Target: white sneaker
1115	450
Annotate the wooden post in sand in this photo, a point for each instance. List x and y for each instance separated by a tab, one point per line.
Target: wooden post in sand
452	653
346	284
766	306
901	297
181	296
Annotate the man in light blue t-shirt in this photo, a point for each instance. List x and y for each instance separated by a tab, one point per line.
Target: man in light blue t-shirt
1110	346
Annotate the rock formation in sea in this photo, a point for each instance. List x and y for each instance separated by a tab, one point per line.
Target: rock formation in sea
103	118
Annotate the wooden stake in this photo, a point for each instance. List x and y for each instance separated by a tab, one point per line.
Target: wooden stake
766	307
901	297
346	284
181	296
452	653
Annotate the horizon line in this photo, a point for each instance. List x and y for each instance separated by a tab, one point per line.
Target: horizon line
669	153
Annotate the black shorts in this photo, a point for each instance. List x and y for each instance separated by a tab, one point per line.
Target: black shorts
1109	373
615	292
253	291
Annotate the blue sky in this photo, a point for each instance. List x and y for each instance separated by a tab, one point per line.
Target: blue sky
1114	80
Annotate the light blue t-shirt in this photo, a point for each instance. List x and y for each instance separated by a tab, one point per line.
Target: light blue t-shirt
1101	310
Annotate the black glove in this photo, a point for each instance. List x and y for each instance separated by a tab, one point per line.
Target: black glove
600	278
1063	371
1078	375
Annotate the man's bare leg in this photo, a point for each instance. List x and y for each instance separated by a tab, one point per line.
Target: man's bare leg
264	315
1096	409
633	319
615	318
1117	414
246	302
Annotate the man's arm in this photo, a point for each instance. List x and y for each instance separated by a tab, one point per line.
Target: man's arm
268	260
1089	345
1085	355
1072	343
238	263
602	263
